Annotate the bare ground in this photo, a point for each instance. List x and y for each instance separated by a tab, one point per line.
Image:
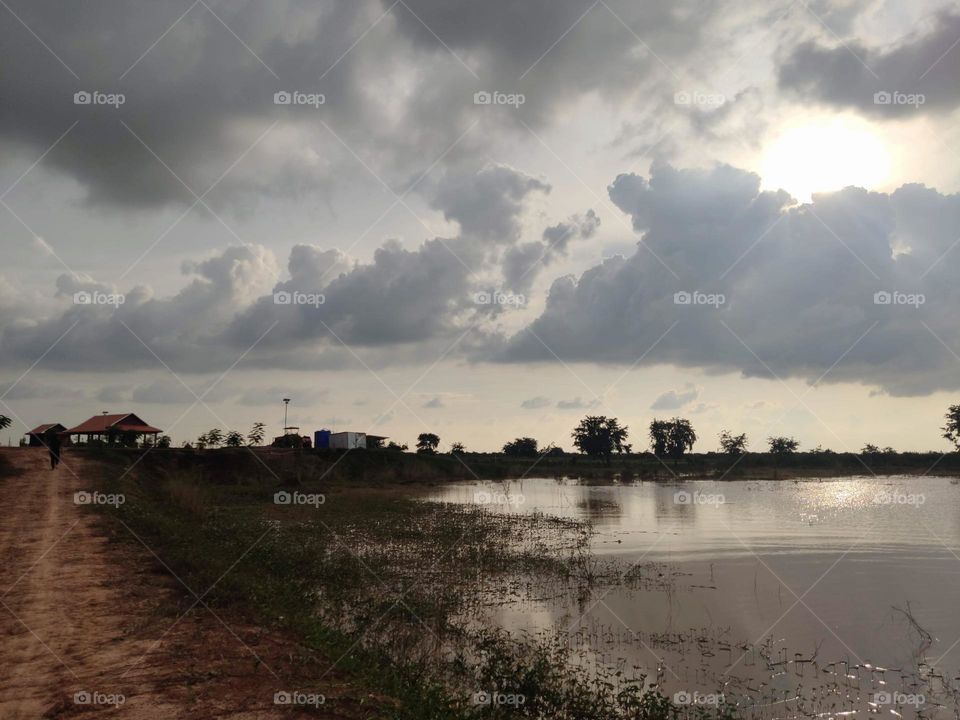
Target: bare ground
81	614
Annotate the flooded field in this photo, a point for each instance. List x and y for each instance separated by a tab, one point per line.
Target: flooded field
786	599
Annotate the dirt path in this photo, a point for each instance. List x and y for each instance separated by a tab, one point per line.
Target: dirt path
81	614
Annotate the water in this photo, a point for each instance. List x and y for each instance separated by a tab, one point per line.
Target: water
765	576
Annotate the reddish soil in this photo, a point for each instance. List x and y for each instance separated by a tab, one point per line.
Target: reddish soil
82	614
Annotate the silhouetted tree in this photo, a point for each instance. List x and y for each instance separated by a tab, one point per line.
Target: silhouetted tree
129	439
783	445
163	441
4	422
659	436
951	431
394	446
214	437
427	443
600	436
733	444
256	434
682	438
869	449
234	439
672	438
457	448
521	447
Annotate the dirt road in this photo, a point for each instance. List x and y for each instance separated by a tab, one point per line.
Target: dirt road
89	626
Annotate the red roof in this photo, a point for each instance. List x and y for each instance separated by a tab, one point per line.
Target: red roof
41	429
124	421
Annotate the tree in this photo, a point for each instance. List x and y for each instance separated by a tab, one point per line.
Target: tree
681	439
521	447
4	422
659	436
129	438
733	444
457	448
398	448
427	443
256	434
951	431
233	439
672	438
214	437
783	445
869	449
202	441
600	436
163	441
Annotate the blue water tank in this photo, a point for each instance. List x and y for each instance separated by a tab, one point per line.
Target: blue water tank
321	439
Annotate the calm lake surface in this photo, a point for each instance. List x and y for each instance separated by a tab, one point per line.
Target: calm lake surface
766	576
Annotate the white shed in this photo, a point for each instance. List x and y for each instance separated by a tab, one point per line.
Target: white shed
348	440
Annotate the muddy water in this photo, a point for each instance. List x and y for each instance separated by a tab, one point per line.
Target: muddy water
792	599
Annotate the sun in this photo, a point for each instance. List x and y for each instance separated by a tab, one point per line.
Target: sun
823	156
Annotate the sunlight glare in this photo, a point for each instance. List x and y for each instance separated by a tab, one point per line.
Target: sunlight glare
824	156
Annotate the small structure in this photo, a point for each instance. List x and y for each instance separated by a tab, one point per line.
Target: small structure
348	440
324	439
101	427
35	436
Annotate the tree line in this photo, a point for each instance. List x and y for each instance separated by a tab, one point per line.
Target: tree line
596	436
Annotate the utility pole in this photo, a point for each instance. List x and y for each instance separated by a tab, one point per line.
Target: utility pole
286	404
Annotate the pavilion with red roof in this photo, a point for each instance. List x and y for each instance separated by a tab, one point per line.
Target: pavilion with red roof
100	426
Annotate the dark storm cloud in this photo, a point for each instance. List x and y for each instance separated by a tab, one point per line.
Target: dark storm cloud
763	285
199	81
857	286
883	82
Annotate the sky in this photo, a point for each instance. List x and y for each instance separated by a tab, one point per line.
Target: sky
483	220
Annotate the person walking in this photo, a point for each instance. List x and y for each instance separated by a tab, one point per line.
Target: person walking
52	441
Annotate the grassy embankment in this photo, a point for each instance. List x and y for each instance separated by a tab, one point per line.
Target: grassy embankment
391	586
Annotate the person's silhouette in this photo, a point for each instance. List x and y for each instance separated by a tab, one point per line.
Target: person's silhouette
52	441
